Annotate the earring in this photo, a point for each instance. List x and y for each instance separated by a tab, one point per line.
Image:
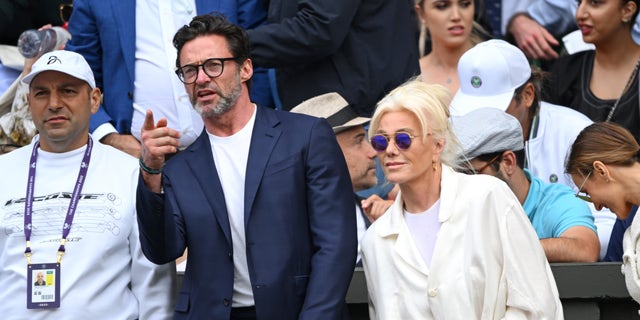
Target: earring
435	165
625	20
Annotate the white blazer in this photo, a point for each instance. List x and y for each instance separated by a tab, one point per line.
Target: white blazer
487	262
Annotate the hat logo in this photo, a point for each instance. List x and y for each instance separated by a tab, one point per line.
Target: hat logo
476	82
54	59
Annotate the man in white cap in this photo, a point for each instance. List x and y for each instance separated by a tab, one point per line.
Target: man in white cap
352	138
68	212
562	221
497	74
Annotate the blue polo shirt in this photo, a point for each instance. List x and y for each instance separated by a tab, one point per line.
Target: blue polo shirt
553	208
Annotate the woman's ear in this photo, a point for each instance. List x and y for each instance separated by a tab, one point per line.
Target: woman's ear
628	10
601	169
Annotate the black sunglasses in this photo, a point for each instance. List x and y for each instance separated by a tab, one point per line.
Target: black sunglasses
380	142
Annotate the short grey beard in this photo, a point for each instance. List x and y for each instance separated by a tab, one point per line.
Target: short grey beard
225	104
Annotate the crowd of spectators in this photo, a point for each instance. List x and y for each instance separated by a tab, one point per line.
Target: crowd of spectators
548	70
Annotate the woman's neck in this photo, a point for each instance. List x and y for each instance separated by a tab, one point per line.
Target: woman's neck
420	194
617	52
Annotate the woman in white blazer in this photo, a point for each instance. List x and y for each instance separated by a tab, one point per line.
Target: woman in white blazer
452	246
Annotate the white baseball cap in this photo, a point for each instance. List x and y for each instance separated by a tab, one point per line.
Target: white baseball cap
63	61
489	74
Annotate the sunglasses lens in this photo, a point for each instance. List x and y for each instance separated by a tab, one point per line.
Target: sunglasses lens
379	143
403	140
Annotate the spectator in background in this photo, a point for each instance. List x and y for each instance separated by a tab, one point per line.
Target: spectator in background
102	273
452	31
497	75
417	257
128	45
16	126
602	84
267	190
355	147
359	49
605	163
492	143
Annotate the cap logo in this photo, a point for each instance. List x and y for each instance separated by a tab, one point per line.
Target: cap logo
476	82
54	59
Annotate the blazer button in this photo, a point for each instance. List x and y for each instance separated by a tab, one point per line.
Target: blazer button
225	301
230	255
433	292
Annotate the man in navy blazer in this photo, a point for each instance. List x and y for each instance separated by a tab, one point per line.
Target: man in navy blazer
262	198
104	32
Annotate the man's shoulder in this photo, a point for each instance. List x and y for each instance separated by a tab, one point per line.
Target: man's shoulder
565	116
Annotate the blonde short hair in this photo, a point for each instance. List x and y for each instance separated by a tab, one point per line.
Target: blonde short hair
430	104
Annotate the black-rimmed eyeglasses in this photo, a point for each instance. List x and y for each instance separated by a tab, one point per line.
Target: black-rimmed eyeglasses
213	68
584	196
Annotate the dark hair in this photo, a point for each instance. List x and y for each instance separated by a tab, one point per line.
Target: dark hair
520	155
602	141
537	77
214	24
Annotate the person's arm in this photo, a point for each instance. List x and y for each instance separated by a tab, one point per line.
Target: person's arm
155	204
317	30
530	29
576	244
153	285
532	293
332	224
85	40
532	38
555	15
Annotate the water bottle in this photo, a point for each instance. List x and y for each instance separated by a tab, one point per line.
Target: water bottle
33	43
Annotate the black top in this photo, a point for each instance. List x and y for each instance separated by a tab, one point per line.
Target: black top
568	85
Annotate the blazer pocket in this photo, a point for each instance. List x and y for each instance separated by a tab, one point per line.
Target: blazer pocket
182	302
282	165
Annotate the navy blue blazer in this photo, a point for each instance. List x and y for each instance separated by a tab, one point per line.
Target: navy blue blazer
104	32
299	223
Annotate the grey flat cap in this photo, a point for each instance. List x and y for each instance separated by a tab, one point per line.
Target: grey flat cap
487	130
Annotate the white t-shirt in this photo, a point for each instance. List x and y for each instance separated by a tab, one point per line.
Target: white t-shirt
424	227
156	85
104	274
230	155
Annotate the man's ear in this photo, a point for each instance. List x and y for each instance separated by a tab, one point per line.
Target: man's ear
509	162
246	70
95	97
528	95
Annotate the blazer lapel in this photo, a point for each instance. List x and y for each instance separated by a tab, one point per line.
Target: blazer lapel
359	199
263	140
404	245
200	161
124	12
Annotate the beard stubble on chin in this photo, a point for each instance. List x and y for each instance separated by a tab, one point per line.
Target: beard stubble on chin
225	102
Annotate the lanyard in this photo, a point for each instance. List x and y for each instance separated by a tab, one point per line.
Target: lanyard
73	204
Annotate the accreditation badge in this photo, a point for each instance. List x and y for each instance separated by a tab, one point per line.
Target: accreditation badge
43	286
